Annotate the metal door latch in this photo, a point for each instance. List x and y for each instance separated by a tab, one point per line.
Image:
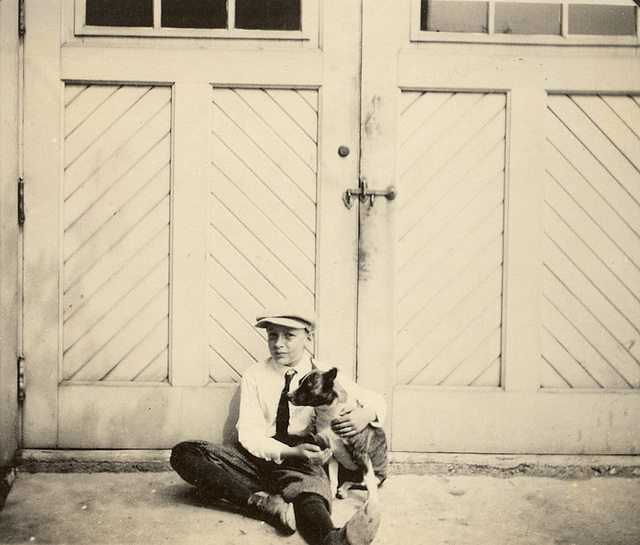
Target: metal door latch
364	193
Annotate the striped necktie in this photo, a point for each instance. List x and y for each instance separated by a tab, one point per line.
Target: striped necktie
282	416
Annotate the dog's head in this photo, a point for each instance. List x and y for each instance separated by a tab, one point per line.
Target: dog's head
316	389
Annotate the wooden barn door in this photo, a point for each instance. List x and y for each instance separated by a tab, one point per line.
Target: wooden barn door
498	292
178	179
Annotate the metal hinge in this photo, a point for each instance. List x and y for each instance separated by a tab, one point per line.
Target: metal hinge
22	29
20	201
21	388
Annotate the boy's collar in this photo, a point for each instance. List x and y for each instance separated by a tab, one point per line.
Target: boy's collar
302	367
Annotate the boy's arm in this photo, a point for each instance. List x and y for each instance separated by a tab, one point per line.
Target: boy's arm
372	409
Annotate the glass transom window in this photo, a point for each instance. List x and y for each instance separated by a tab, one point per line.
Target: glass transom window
192	18
586	22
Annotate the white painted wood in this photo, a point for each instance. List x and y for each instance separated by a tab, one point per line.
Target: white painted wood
257	149
191	170
97	113
149	216
244	142
298	174
591	251
274	116
103	347
247	242
143	178
565	371
116	150
593	236
82	314
614	295
338	110
43	131
284	184
381	39
456	66
489	421
585	285
10	70
530	349
169	61
523	239
264	86
122	415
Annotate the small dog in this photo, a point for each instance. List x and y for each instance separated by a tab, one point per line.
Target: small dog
320	390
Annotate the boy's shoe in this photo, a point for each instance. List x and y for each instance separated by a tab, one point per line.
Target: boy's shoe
274	510
361	528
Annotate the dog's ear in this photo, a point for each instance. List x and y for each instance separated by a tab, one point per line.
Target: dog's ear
332	374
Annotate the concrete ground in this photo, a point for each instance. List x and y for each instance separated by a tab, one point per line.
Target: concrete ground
149	508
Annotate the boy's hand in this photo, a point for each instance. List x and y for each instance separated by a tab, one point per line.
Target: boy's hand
352	421
312	453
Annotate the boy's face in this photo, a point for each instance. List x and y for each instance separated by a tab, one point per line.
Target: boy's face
287	344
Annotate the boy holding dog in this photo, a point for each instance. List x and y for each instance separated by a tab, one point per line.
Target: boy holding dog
276	472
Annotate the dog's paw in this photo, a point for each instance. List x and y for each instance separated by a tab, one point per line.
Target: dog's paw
343	491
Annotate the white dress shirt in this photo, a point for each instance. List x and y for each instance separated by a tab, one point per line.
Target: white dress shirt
261	387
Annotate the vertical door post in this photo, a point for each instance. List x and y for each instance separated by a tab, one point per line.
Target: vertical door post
378	127
337	226
523	241
42	173
9	245
190	172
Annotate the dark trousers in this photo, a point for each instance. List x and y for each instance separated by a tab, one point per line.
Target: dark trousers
232	473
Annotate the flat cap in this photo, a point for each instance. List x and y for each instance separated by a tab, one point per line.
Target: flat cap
289	315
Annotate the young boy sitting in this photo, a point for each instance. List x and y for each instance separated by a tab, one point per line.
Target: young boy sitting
275	472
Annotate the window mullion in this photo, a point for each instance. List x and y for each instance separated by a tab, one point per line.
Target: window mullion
491	23
231	14
565	20
157	13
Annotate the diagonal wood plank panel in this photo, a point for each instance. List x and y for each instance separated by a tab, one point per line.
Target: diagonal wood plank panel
262	216
116	233
591	297
450	239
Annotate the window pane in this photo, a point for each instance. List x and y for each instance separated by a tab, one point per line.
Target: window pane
268	14
194	13
119	13
602	20
452	16
512	18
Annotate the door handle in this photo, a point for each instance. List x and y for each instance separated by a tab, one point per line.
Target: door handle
364	193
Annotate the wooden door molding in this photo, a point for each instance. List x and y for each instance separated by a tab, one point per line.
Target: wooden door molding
178	190
423	352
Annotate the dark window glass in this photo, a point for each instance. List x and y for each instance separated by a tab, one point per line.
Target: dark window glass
194	13
268	14
512	18
452	16
119	13
602	20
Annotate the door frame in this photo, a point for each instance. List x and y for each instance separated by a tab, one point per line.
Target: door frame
10	121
